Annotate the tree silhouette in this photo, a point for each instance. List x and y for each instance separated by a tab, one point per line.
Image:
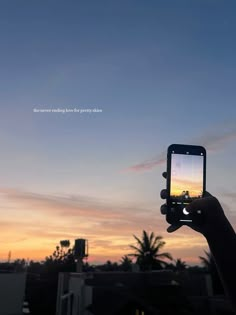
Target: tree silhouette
147	252
177	265
180	265
210	266
19	265
126	263
207	261
65	244
61	260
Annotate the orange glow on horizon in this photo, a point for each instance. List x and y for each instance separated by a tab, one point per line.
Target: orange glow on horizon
34	234
178	186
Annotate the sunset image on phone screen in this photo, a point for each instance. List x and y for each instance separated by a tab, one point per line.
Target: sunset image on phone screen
186	177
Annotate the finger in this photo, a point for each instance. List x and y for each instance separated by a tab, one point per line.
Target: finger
164	174
164	209
173	228
197	205
163	194
193	206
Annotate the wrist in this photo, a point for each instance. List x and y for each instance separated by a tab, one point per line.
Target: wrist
218	229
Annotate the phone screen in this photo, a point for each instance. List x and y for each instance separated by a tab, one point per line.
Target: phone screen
186	177
186	180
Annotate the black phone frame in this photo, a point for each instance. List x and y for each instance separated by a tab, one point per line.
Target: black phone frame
181	149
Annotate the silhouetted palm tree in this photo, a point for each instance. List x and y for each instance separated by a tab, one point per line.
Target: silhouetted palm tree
126	263
180	265
209	263
148	253
177	265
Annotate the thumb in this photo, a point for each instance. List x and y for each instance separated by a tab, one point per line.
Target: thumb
194	206
173	228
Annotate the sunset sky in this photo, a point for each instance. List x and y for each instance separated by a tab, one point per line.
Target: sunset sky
186	174
162	72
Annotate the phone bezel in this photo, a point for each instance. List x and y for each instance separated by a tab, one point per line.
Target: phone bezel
181	149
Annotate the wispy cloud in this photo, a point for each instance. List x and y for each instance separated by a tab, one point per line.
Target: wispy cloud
213	140
148	164
68	205
216	140
231	195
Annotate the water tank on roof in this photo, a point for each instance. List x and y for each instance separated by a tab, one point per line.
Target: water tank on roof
81	248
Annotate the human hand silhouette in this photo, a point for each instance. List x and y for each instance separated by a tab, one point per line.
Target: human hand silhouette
211	213
219	234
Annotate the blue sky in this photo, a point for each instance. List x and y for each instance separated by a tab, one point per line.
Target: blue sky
162	72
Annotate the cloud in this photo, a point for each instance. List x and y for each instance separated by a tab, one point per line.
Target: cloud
231	195
72	205
48	217
109	226
213	141
148	164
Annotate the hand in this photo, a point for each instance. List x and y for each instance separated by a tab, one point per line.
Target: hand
212	214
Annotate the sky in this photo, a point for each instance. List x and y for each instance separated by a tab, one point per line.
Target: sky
186	174
159	72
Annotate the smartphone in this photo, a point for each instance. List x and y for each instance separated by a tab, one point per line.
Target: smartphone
186	180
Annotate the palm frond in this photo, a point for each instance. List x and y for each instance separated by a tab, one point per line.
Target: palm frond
137	249
138	240
165	255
